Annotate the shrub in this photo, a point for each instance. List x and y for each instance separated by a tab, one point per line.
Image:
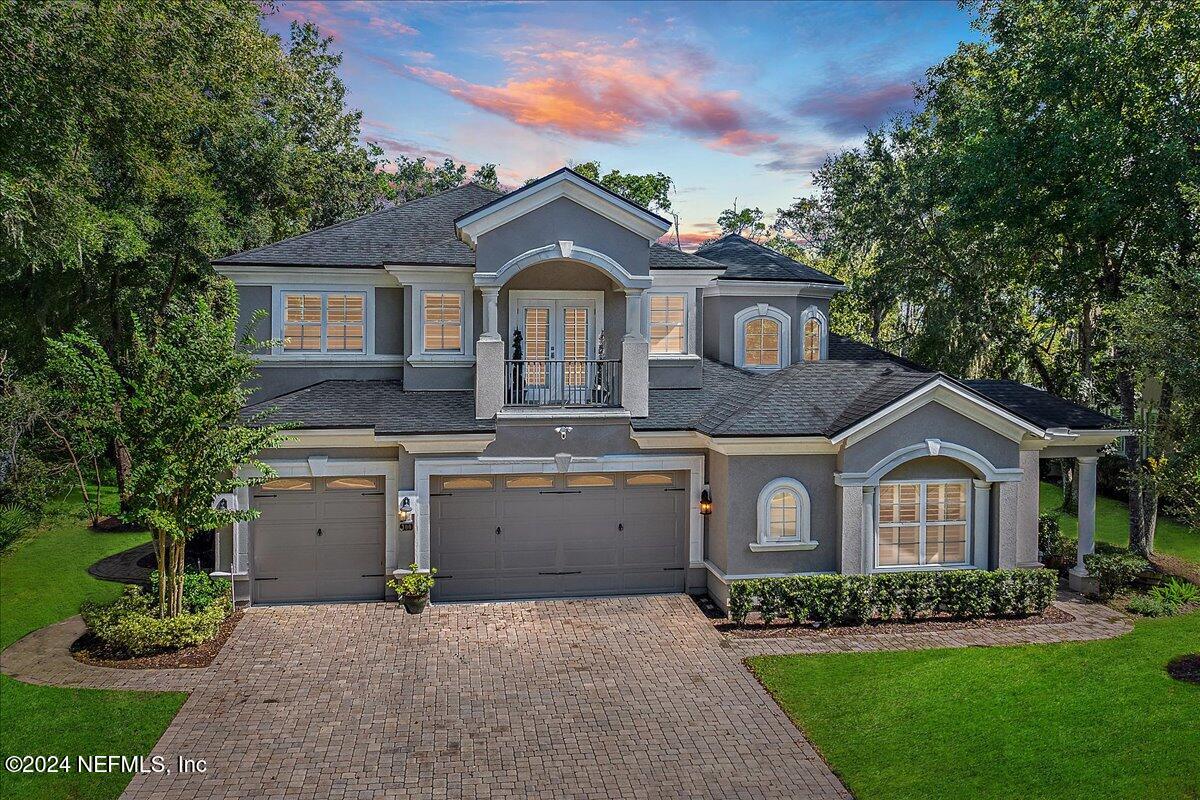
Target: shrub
199	589
15	520
1175	593
1149	606
854	599
130	624
1057	550
415	583
1114	571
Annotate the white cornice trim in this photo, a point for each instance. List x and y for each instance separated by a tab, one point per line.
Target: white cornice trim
930	447
568	185
271	275
735	445
736	288
423	273
943	392
444	443
682	278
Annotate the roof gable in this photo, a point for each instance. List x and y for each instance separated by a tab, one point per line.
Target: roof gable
562	183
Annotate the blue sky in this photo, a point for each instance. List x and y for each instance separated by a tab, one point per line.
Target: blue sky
732	100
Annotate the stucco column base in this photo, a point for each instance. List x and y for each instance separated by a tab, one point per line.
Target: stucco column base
489	378
1082	583
635	376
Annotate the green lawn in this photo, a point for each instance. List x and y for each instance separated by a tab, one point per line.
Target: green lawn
1092	721
1112	525
43	580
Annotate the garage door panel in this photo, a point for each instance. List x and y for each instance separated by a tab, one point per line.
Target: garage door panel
466	506
303	566
645	502
591	583
526	585
590	503
653	580
530	556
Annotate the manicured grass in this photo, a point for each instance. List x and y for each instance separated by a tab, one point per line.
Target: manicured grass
1092	721
43	580
1112	525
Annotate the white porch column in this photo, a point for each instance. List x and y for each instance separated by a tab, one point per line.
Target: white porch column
983	517
1079	578
633	313
850	550
491	313
867	556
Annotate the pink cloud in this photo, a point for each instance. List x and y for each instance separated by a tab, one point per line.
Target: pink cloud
597	92
390	27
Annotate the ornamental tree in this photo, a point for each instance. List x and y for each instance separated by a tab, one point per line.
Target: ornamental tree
181	393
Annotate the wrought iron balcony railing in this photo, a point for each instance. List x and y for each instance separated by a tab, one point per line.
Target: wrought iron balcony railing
563	382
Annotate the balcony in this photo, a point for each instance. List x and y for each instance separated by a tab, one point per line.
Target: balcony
564	383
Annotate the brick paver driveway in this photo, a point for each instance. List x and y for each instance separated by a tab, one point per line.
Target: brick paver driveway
621	698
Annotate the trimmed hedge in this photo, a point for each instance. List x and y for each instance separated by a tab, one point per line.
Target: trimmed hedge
1115	570
199	589
855	599
131	625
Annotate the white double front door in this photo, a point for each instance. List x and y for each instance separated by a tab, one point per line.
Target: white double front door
558	340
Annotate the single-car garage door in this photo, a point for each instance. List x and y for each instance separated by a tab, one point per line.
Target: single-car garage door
508	536
318	539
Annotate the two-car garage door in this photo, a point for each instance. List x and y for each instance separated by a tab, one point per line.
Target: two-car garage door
319	539
509	536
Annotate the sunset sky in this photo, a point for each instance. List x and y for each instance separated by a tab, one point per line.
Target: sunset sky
734	101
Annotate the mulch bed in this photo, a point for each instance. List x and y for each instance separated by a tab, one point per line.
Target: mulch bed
90	650
1185	668
113	525
1172	565
754	629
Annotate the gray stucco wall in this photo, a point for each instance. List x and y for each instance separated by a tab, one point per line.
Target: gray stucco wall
563	220
389	320
667	374
930	468
719	333
932	421
737	481
537	438
426	377
250	300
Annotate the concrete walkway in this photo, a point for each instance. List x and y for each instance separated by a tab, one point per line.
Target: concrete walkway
636	697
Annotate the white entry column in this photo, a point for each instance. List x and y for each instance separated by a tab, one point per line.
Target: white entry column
635	358
1079	578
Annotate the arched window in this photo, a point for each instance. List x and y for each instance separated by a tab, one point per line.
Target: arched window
812	340
815	330
783	517
762	342
762	335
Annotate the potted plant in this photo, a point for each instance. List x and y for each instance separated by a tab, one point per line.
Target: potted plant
413	588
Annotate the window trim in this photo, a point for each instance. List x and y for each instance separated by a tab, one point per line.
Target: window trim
803	539
922	523
811	313
689	322
463	308
278	305
743	317
415	308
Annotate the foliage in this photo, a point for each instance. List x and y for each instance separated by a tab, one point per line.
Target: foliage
1176	592
15	520
1114	571
748	223
1149	606
997	723
854	599
652	190
199	589
30	458
415	583
183	389
130	624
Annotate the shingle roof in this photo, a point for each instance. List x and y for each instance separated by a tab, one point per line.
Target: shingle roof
534	184
420	232
749	261
1042	408
379	404
662	257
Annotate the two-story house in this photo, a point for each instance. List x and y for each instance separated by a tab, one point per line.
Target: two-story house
529	393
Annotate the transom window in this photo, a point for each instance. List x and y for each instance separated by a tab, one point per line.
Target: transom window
812	340
576	481
921	523
287	485
442	313
320	322
762	342
668	323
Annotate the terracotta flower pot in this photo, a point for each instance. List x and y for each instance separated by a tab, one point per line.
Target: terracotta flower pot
415	603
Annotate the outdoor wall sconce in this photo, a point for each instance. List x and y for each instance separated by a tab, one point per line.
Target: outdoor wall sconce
705	502
405	512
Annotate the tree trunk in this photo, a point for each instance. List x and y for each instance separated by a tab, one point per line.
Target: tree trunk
1070	487
124	465
160	555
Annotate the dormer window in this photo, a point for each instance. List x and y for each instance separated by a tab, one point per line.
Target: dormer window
324	322
762	335
812	340
816	334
